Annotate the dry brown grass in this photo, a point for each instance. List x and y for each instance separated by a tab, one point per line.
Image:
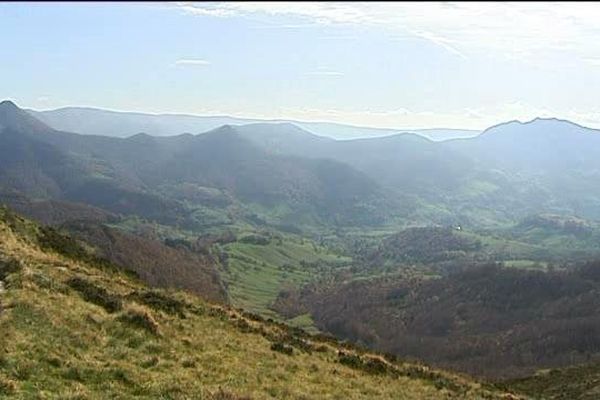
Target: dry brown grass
57	345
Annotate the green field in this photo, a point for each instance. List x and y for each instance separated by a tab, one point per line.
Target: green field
256	273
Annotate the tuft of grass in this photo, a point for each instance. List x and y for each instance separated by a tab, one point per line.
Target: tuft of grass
7	386
140	317
223	395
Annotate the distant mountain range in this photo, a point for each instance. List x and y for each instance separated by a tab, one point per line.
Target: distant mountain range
281	173
168	178
392	230
93	121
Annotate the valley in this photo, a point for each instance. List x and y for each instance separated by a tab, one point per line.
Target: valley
464	263
299	201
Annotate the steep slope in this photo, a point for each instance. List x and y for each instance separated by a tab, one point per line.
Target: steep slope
406	162
488	321
28	164
310	190
143	175
55	212
73	329
550	163
508	172
156	264
12	118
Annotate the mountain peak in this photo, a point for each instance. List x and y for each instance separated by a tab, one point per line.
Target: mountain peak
8	105
16	119
540	127
223	129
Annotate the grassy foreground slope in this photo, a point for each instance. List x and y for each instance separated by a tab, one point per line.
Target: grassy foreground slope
75	329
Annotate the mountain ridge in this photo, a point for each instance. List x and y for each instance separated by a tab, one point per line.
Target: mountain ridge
68	118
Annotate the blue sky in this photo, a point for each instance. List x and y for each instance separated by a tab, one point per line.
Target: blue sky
402	65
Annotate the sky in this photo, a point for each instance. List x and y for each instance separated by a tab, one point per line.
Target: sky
394	65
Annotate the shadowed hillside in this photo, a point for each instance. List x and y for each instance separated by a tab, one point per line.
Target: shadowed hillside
130	176
489	321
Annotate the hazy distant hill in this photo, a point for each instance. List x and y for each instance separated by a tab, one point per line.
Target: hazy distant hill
553	163
129	175
543	144
510	171
93	121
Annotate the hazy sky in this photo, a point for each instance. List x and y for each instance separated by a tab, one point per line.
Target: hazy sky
408	65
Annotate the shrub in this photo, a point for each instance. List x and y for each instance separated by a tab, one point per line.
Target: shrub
369	365
298	343
350	360
321	348
160	301
9	266
51	239
140	317
375	366
95	294
244	326
253	316
282	348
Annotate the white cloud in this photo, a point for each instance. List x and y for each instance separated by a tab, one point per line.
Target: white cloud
205	9
191	61
516	30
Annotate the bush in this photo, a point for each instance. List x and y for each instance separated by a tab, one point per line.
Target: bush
375	366
140	317
253	316
95	294
297	342
370	365
243	326
321	348
51	239
282	348
9	266
350	360
160	301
